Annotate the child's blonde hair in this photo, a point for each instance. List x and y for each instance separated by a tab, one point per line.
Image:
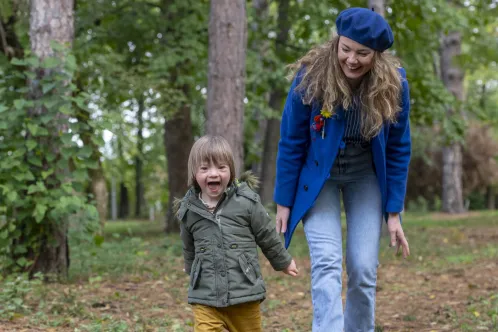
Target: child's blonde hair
209	149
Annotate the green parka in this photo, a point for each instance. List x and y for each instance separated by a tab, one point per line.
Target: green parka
220	248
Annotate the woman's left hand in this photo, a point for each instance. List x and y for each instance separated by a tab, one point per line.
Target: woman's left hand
398	239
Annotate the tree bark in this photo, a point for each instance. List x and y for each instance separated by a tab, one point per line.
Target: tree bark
490	197
226	74
277	96
51	20
178	141
139	182
452	76
124	202
98	182
9	41
178	136
259	46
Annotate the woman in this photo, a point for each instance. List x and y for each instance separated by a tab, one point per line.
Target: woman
345	128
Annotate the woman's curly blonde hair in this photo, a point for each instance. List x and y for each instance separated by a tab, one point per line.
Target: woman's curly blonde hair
323	81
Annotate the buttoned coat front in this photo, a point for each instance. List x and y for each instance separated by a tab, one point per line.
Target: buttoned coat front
305	157
220	248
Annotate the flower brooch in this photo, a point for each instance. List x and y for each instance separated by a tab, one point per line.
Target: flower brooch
319	121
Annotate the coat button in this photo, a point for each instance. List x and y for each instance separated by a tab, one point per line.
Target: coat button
219	245
305	188
316	162
222	273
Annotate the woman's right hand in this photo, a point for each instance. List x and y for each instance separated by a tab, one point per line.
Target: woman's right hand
283	213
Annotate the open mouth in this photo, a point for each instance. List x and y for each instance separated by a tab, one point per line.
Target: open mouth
214	185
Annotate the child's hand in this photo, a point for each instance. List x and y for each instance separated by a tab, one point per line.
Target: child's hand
291	269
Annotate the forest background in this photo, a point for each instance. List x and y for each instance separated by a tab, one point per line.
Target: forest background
100	102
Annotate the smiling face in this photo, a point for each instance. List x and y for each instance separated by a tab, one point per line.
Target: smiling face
355	59
213	180
211	167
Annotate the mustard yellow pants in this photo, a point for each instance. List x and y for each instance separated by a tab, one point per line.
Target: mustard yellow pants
245	317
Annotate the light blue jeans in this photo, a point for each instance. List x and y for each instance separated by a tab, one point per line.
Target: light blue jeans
354	176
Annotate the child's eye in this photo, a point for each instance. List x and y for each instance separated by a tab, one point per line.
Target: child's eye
345	50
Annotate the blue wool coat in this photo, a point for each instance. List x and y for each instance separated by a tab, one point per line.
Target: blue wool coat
305	159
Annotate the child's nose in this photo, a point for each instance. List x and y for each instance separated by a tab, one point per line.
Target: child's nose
213	172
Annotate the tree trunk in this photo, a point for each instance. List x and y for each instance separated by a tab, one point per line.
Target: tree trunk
178	136
378	6
272	137
98	182
490	197
100	192
260	47
178	141
139	182
277	97
452	76
9	41
51	20
124	202
226	74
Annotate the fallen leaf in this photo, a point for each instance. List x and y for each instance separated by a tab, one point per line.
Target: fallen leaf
477	314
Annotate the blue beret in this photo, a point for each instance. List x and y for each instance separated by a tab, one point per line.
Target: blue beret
366	27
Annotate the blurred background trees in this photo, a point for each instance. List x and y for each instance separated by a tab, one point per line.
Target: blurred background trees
102	130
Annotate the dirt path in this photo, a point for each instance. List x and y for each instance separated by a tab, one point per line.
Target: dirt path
406	301
421	301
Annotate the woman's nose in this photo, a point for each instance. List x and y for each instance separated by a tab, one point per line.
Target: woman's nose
352	59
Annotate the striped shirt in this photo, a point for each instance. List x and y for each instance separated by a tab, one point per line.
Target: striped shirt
352	133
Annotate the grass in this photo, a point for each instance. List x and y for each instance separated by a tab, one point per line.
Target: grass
133	281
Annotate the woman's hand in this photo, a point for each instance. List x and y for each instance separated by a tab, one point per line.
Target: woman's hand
283	213
398	239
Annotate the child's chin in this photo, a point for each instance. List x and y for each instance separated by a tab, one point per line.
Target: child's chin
215	193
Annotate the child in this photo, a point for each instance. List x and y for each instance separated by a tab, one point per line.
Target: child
222	223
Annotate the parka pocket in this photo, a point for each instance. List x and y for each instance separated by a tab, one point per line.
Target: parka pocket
248	269
196	272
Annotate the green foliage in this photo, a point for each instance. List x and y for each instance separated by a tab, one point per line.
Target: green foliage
43	165
155	49
130	248
13	294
